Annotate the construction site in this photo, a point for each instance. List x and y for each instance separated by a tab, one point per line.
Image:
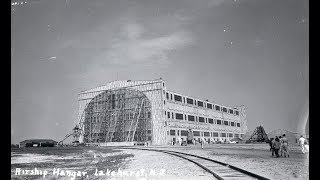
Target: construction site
114	119
135	112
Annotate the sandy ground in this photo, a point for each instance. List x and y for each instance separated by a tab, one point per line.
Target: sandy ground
255	158
141	164
173	167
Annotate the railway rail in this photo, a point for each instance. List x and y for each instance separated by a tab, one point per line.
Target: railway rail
219	170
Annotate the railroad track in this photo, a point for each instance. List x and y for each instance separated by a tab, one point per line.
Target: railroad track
219	170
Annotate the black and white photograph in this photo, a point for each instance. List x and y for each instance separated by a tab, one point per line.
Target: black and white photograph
160	89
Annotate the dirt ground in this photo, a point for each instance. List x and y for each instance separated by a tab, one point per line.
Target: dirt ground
99	162
255	158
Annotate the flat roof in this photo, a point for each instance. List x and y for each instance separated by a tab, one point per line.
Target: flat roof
38	141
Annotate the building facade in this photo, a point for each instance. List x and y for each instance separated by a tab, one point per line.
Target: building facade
145	111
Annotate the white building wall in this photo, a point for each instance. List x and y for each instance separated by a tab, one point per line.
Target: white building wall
187	109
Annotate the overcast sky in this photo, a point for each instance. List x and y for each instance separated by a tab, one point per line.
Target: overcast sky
231	52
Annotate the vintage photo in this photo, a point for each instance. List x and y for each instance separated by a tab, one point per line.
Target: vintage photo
159	89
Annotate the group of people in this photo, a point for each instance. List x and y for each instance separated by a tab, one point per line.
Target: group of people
279	146
181	142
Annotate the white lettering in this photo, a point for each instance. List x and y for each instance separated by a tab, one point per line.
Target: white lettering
73	175
142	172
101	173
62	173
152	172
108	172
120	173
56	171
162	172
18	170
45	173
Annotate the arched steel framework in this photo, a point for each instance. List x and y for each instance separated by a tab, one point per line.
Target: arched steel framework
121	115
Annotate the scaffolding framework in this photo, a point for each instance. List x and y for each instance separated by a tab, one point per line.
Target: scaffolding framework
259	135
121	115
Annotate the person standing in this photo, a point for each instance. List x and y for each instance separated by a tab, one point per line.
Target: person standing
284	145
301	143
276	146
202	143
280	150
271	146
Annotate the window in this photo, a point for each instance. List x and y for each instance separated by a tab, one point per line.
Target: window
237	113
177	98
172	116
171	96
196	133
218	121
164	102
230	111
230	135
210	120
184	100
232	123
200	103
190	118
206	134
172	132
217	108
189	101
201	119
167	95
238	124
168	114
209	106
185	117
215	134
236	135
149	131
163	84
179	116
184	133
149	114
224	109
223	134
225	123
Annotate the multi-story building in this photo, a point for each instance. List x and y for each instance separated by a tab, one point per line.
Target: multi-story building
145	111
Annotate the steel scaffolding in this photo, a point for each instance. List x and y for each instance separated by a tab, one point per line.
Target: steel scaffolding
121	115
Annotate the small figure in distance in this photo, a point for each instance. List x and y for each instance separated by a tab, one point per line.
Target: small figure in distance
284	146
276	146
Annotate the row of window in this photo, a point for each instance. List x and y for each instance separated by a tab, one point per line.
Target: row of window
179	116
121	116
208	105
202	133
